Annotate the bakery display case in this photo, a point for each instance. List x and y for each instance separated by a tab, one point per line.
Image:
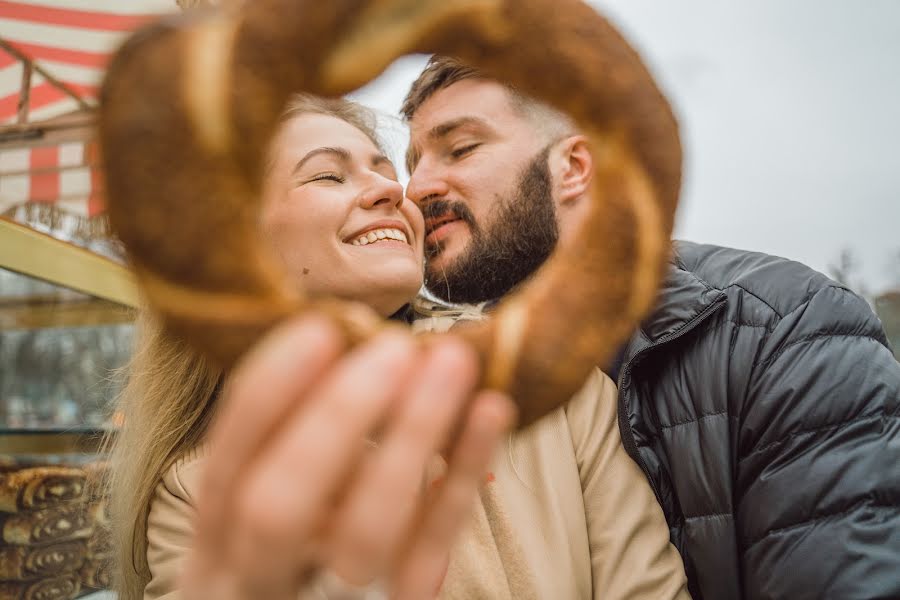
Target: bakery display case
66	313
66	300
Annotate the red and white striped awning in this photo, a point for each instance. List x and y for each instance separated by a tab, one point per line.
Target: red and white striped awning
69	41
66	174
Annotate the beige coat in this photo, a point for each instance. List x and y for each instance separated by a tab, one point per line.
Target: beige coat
565	514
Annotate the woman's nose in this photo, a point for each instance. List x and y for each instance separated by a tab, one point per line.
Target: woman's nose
382	192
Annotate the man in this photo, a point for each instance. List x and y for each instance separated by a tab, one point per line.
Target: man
760	399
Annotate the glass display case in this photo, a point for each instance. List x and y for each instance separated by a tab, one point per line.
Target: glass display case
66	314
65	299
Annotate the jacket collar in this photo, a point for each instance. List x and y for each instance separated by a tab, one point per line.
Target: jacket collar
684	299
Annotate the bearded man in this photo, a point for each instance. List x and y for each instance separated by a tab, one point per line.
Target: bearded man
760	398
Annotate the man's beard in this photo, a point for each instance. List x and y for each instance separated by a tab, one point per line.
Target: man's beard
519	237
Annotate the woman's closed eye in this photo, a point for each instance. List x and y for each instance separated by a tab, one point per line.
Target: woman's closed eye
329	176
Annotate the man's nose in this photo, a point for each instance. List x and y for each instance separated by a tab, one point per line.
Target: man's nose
382	191
426	182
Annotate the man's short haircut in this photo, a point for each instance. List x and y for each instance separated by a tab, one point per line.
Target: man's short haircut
443	71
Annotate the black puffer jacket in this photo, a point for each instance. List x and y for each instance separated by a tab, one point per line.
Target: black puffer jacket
763	403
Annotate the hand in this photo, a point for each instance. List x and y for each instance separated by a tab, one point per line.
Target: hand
291	486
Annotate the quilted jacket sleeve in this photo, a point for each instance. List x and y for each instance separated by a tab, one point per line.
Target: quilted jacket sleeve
818	462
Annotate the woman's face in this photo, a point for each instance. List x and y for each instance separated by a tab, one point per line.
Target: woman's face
338	217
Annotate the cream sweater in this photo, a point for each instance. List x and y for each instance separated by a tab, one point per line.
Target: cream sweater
565	514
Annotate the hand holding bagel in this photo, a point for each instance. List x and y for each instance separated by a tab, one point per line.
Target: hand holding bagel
291	490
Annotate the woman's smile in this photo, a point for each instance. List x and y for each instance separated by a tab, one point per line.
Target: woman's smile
383	234
338	217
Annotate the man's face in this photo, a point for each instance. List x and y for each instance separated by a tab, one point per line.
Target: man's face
479	173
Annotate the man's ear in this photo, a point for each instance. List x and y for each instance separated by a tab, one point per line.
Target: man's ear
572	168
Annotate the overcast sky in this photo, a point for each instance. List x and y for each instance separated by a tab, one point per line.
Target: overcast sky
790	113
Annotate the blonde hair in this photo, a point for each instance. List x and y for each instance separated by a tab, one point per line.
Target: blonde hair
355	114
167	403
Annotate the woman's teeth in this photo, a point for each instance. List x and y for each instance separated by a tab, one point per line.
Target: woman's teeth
380	234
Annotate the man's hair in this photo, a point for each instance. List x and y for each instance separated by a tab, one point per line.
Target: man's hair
443	71
440	72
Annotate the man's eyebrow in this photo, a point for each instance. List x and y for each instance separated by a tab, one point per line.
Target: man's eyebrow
340	153
445	129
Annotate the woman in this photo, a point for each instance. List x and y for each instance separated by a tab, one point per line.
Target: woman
281	486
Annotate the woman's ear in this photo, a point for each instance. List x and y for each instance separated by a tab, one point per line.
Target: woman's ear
572	168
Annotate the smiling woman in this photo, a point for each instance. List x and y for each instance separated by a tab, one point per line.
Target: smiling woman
336	215
334	210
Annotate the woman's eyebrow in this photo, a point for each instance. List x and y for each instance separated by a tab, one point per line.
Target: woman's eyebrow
340	153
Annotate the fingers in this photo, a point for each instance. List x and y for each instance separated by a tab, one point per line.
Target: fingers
290	483
420	570
379	510
290	486
263	389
